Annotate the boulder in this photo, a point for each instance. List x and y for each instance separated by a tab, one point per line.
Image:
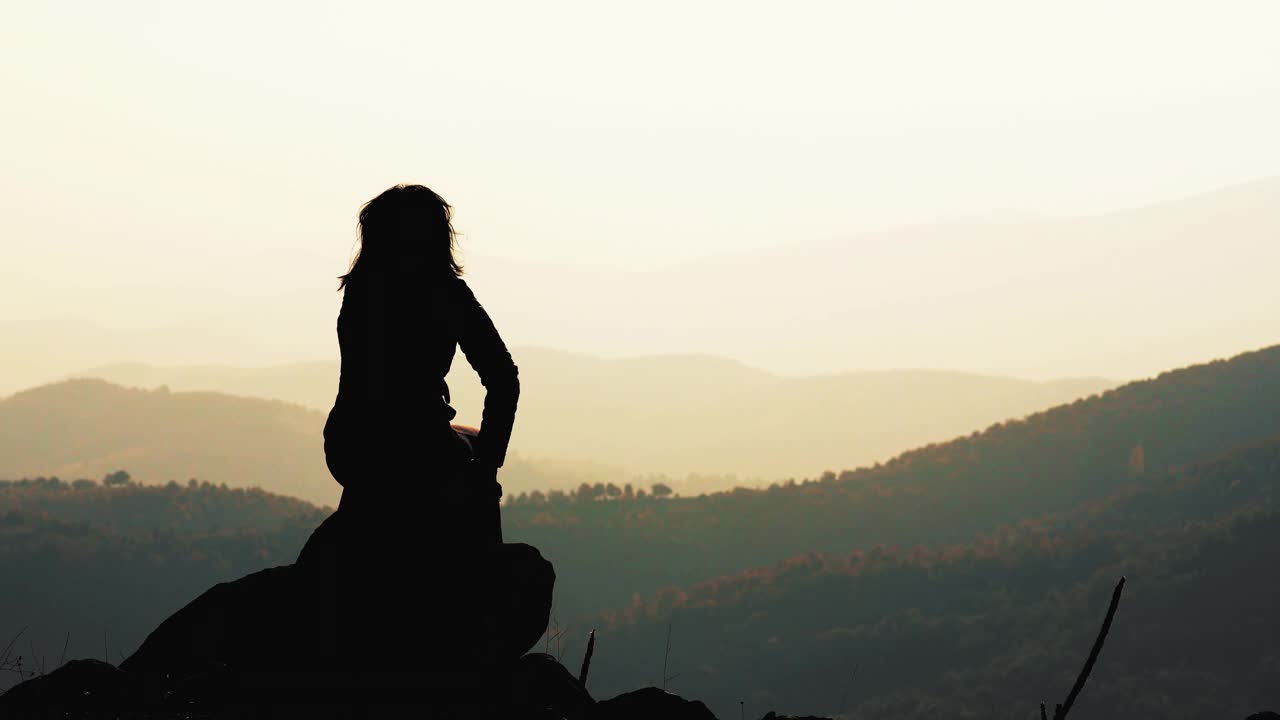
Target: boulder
270	619
327	608
349	625
649	704
345	630
80	687
541	684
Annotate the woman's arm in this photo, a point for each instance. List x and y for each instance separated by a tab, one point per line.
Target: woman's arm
484	349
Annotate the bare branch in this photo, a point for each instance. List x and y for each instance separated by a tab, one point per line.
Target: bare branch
665	655
586	659
1060	711
5	655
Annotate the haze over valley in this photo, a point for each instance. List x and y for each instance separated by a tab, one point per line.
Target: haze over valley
704	421
1116	295
1074	304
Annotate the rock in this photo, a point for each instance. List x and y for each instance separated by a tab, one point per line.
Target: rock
1264	715
511	584
78	687
543	684
650	703
316	614
270	619
523	582
775	716
350	624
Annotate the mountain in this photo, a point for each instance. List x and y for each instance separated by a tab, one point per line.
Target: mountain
988	627
260	331
1116	294
683	414
312	385
1120	294
86	428
939	494
966	576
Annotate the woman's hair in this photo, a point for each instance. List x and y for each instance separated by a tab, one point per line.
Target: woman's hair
407	227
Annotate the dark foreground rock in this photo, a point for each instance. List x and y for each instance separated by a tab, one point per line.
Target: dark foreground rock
648	703
79	687
290	620
535	687
341	634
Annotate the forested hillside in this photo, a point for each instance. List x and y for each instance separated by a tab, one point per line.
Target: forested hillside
123	506
981	630
96	566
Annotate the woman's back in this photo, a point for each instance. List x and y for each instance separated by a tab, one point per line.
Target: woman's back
397	347
398	331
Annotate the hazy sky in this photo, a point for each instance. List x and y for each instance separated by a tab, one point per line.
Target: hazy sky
166	158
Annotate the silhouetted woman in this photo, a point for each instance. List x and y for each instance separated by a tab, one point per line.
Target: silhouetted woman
413	557
388	440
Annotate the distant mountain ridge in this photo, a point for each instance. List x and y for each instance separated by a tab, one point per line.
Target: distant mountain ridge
681	414
88	427
1109	294
1115	294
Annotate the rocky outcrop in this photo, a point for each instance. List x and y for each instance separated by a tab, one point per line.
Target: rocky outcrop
77	688
292	618
650	702
341	633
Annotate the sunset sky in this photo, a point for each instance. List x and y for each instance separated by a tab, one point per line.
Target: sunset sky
164	160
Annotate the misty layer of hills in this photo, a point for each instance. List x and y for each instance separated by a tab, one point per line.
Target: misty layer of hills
677	415
1121	294
1124	293
87	428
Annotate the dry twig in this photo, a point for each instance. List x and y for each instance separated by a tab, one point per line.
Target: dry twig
1060	711
586	659
665	655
